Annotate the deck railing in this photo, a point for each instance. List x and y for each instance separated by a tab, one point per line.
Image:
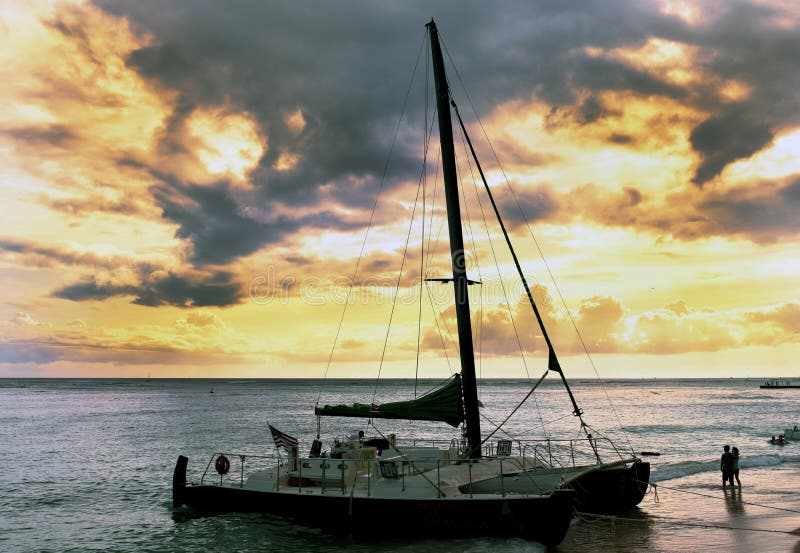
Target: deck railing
238	469
557	452
338	475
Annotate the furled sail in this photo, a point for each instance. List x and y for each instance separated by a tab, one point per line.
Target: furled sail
443	404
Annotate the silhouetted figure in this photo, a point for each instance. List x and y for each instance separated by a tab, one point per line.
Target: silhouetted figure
726	465
735	453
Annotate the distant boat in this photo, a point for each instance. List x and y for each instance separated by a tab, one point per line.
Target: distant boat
774	383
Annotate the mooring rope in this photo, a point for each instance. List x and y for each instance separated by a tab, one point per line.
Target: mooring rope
655	487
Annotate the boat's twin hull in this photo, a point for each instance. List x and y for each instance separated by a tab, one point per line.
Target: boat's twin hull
610	488
543	518
613	489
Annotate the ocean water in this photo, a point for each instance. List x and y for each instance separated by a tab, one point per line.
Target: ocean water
88	463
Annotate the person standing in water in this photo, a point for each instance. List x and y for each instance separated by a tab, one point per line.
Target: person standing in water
726	466
735	454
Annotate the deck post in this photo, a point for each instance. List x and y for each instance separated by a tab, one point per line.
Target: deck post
438	478
469	466
502	482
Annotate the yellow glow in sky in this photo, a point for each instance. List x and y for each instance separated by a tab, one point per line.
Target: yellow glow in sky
226	144
154	223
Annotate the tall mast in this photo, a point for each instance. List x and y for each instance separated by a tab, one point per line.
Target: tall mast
460	282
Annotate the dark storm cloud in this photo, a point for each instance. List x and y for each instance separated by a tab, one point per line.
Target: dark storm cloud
722	140
196	290
219	232
762	212
214	224
528	206
763	217
744	43
153	286
346	65
43	255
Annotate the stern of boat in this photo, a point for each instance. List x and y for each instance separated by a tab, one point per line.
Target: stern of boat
179	481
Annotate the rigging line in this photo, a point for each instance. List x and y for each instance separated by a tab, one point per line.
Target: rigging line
511	414
480	334
503	287
426	143
429	130
396	291
474	248
424	176
408	460
433	209
508	307
464	141
536	242
553	363
665	520
435	310
432	249
568	415
524	472
502	430
500	278
372	216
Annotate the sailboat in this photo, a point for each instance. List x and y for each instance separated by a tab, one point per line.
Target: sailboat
385	487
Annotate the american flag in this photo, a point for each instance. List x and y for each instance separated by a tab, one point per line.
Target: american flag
282	440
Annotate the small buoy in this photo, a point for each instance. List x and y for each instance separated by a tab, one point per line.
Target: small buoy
650	453
223	465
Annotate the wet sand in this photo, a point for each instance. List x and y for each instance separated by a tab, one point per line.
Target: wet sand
694	513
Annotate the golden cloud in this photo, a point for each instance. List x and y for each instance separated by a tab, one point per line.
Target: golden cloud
195	337
606	326
225	144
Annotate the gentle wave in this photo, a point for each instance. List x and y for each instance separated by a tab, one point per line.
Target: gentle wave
660	428
666	472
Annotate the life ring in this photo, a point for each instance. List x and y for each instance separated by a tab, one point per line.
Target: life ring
223	465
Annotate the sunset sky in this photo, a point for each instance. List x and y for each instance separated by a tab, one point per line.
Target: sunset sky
187	186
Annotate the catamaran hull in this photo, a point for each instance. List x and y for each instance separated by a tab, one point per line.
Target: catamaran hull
612	489
544	518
